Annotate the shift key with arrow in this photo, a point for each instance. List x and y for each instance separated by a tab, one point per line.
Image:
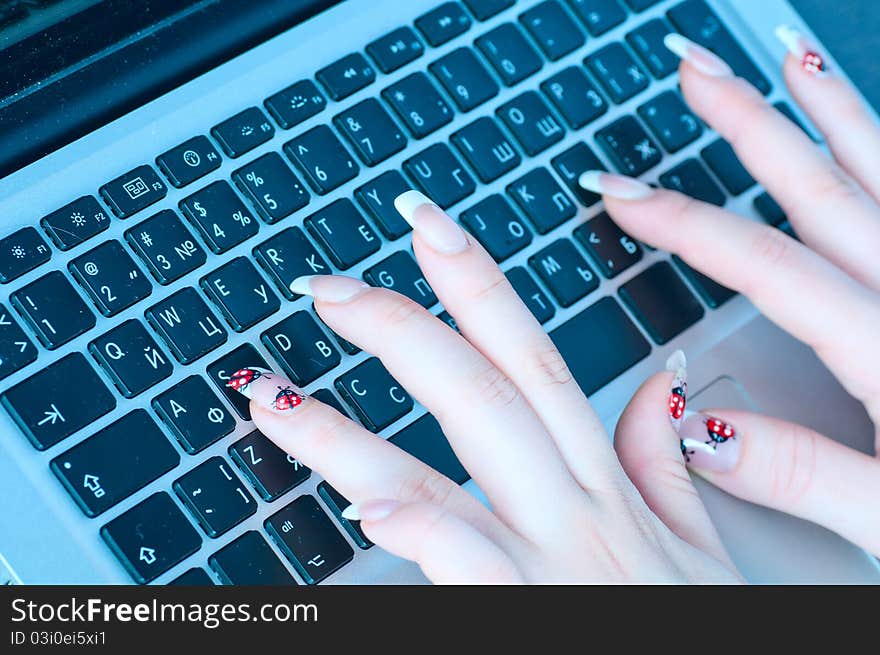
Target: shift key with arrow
16	350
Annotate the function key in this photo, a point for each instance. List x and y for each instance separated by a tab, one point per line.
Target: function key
343	233
464	78
337	504
240	293
647	41
133	191
370	131
194	414
20	252
269	469
243	132
529	292
418	104
400	273
287	256
296	103
165	245
598	16
272	187
186	325
53	309
440	175
497	227
531	122
48	407
443	23
16	350
346	76
322	159
220	372
574	95
377	198
565	272
629	146
571	164
674	125
552	28
723	161
215	496
189	161
110	277
74	223
617	72
220	216
395	49
542	200
485	9
249	560
131	358
509	53
375	396
691	178
611	249
486	149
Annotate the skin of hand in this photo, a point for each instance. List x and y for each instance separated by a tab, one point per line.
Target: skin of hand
566	506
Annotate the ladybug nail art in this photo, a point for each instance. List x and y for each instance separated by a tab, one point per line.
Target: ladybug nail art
287	398
676	402
709	443
801	47
813	63
243	378
718	431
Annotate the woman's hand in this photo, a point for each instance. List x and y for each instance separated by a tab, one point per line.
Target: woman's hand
823	291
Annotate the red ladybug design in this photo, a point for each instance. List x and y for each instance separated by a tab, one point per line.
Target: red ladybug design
719	431
243	377
677	402
287	398
813	63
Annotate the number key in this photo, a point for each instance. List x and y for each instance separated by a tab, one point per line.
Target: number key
220	216
53	309
323	160
272	187
165	245
110	277
371	132
509	53
464	78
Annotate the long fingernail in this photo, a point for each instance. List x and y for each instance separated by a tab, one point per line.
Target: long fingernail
371	510
616	186
431	223
267	389
802	47
330	288
709	443
677	363
703	60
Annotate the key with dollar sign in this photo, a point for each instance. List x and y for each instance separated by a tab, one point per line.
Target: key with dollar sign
220	216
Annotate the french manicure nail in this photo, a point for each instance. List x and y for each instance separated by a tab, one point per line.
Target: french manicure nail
330	288
703	60
372	510
709	443
431	223
677	363
616	186
266	388
801	47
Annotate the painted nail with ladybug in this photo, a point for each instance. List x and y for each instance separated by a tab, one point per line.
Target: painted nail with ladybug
709	443
267	388
801	47
677	400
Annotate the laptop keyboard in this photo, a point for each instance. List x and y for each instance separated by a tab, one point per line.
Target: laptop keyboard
188	327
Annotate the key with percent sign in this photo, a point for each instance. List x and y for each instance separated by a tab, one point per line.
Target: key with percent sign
220	216
272	187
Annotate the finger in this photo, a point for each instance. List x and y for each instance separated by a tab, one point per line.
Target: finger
835	107
648	447
492	317
490	426
447	548
789	468
812	188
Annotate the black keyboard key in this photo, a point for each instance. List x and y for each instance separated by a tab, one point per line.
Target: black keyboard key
326	396
110	277
485	9
377	199
347	346
322	159
337	503
243	132
712	293
599	344
296	103
58	400
343	233
574	96
116	461
696	21
598	16
76	222
661	302
134	191
131	358
486	149
270	470
220	372
497	227
552	28
215	496
346	76
531	122
640	5
611	249
440	176
618	73
769	210
53	310
287	256
151	537
542	200
16	350
220	216
301	347
509	53
371	132
376	398
571	164
395	49
240	293
189	161
195	577
529	292
187	326
418	104
20	252
464	78
308	539
727	167
273	188
691	179
670	120
166	246
424	440
443	23
565	272
194	414
400	273
629	147
647	42
249	561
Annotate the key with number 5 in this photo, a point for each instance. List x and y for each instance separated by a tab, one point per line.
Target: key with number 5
273	188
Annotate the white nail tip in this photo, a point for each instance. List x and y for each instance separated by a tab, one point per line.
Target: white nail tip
677	44
616	186
351	513
791	39
591	181
676	361
407	203
302	285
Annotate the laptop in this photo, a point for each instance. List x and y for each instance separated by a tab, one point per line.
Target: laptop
168	167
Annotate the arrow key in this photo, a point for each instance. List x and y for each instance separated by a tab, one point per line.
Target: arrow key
16	350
